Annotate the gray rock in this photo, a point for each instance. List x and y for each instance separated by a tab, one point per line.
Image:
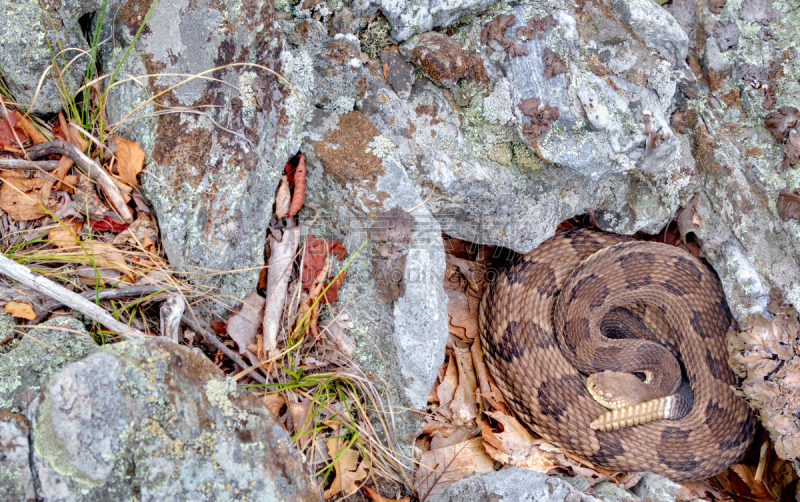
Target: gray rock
221	140
31	34
727	34
519	485
655	27
409	18
655	487
353	175
15	469
154	420
42	352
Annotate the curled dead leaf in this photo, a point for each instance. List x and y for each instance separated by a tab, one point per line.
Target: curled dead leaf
130	160
20	310
439	468
349	471
65	235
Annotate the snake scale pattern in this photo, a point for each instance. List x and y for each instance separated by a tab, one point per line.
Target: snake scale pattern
653	284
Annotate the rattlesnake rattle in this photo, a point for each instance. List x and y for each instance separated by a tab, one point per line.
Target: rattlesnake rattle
549	395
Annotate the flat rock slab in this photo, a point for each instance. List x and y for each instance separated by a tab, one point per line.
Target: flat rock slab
152	420
42	352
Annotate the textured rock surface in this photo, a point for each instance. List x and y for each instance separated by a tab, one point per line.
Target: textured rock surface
511	484
30	35
408	18
353	176
152	420
45	350
528	486
213	166
15	468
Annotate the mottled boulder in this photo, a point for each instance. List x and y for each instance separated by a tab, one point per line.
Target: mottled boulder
16	477
442	59
153	420
40	353
31	33
219	129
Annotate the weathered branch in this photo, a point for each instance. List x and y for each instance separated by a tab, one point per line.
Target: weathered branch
97	173
72	300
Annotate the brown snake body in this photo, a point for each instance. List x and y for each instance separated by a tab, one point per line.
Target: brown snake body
650	284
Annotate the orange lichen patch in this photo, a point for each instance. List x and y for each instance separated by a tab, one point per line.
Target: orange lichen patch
442	59
753	152
411	129
731	98
343	152
425	110
597	67
341	51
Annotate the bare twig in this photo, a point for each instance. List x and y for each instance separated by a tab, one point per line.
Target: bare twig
105	294
97	173
43	165
23	274
212	339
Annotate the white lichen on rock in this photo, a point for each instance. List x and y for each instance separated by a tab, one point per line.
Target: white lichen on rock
246	88
381	147
497	106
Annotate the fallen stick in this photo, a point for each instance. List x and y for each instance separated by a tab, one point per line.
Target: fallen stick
44	165
212	339
95	172
45	286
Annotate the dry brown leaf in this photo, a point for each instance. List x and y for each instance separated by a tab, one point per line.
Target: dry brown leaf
22	198
300	422
516	446
130	160
788	204
334	329
747	475
274	402
376	497
693	490
107	256
30	130
447	388
454	436
64	163
74	135
688	220
142	229
349	470
488	389
464	406
283	199
20	310
463	323
243	326
65	235
473	272
439	468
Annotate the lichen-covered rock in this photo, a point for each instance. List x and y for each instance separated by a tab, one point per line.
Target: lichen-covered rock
15	467
441	59
153	420
40	353
408	18
765	355
353	177
31	33
216	155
